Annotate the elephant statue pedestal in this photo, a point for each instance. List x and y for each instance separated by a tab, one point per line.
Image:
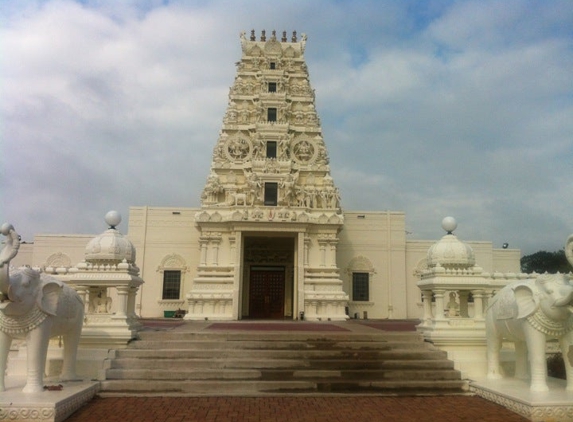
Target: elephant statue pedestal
51	406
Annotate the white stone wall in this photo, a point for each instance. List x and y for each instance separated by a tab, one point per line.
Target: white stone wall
375	241
379	239
164	238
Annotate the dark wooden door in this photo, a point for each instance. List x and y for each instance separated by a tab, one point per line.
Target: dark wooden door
267	292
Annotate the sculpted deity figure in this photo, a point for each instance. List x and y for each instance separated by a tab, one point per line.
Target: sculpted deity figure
303	151
243	37
100	302
283	144
453	307
287	186
257	146
231	116
254	186
212	188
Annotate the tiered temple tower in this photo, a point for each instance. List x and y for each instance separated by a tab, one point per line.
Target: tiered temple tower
270	212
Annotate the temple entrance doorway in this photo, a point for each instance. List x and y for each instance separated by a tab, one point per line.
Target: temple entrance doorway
267	292
268	277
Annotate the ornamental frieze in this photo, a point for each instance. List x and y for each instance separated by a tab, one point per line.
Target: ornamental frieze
238	149
304	151
282	214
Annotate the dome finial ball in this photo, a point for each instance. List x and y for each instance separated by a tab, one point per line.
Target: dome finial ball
113	218
449	224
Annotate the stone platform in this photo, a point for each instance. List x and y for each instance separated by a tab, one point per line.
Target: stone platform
556	405
47	406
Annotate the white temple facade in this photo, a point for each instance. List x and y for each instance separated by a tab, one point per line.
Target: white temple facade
270	239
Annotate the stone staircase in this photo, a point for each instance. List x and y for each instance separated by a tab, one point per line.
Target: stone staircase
271	363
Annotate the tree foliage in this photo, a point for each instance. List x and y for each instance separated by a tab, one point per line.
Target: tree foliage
543	261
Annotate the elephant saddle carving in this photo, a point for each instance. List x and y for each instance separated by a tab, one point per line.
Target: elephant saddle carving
21	324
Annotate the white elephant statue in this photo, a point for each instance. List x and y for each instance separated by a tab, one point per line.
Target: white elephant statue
528	312
36	307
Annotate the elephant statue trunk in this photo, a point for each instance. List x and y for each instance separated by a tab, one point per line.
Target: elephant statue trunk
38	307
565	301
9	251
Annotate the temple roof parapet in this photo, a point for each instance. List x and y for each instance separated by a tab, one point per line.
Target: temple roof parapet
272	45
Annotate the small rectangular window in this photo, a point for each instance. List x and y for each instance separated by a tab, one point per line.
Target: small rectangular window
272	87
272	65
271	149
272	114
271	193
171	285
360	287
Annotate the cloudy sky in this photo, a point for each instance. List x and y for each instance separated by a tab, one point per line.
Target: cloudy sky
434	108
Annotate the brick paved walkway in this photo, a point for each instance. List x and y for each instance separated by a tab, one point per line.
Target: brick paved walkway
293	409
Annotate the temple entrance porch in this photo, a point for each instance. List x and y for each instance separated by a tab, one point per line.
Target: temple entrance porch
268	276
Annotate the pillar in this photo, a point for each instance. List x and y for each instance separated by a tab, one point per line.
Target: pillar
203	243
131	302
306	250
216	243
333	244
122	293
439	295
427	304
83	292
233	245
478	304
322	245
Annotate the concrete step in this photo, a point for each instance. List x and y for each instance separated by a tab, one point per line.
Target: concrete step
281	374
278	336
274	345
396	354
218	363
242	388
259	363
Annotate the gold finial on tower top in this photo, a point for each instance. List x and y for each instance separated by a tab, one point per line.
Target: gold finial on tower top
273	36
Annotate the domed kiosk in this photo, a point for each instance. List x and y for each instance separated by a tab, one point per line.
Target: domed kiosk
108	281
449	251
455	291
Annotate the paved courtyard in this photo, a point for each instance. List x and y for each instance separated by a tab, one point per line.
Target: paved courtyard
293	409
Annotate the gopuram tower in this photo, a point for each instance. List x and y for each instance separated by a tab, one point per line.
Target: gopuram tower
270	212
